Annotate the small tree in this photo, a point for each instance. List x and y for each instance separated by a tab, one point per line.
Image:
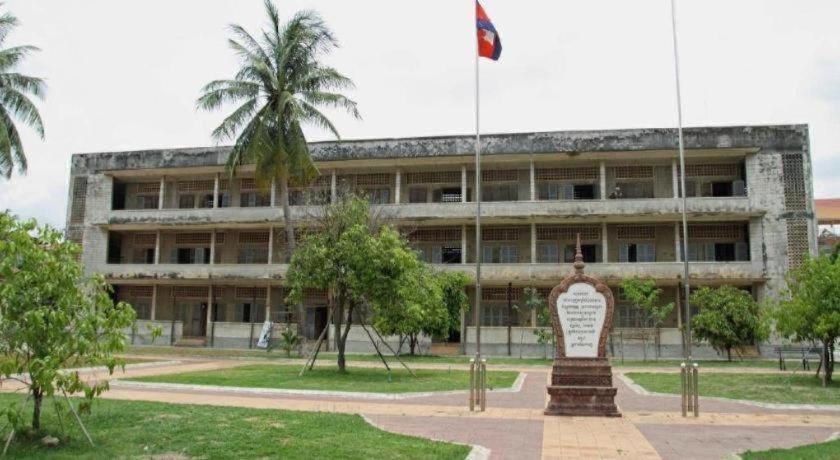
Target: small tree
361	262
417	309
52	317
810	310
533	301
645	296
289	341
729	317
455	298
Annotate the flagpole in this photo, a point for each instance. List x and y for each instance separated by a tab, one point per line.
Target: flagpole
478	251
686	287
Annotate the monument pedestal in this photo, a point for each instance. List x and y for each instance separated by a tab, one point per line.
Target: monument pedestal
582	386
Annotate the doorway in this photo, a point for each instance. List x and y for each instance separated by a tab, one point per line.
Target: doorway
195	319
316	322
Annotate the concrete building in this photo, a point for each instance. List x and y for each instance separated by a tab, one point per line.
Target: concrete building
203	255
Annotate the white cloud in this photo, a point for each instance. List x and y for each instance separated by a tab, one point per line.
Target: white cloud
125	74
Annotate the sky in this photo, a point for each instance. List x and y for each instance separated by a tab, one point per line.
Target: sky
125	74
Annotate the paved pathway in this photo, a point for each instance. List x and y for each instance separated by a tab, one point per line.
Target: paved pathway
513	425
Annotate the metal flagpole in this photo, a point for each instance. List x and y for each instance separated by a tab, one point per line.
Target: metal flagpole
478	252
686	288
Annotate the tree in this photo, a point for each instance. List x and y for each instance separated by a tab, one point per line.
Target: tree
363	264
418	308
644	295
15	103
729	317
810	309
455	298
280	86
533	301
52	317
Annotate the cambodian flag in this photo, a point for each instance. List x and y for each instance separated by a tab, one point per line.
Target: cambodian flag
489	44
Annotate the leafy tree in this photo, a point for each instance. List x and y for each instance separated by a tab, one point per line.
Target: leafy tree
810	309
418	308
455	298
280	86
52	317
15	89
362	263
533	301
729	317
289	340
645	296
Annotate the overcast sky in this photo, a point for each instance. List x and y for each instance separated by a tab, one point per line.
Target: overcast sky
124	74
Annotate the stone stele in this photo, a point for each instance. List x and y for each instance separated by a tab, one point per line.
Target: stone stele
581	315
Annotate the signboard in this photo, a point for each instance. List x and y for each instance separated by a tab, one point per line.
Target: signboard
581	311
265	335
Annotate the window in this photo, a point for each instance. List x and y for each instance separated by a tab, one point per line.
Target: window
254	200
186	201
253	255
548	253
142	308
448	195
379	195
147	201
249	312
637	252
144	256
224	200
502	192
502	254
718	252
590	253
635	189
417	195
721	189
451	255
206	201
190	256
550	191
585	192
494	315
567	191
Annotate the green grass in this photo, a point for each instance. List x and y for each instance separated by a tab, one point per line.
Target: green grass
772	388
826	450
675	363
124	429
83	363
372	380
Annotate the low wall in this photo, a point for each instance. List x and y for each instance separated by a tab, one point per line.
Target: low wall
141	333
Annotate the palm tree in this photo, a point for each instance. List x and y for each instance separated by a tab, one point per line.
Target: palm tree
14	101
280	86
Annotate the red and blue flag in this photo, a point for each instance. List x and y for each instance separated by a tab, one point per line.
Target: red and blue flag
489	43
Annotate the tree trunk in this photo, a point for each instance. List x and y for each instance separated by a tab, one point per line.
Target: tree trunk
828	361
412	343
38	397
729	354
290	249
342	344
339	320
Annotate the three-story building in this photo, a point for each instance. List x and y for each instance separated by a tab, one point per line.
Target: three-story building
204	255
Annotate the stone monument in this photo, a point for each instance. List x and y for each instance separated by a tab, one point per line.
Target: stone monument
581	314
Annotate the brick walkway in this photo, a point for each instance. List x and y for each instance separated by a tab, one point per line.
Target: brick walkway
514	427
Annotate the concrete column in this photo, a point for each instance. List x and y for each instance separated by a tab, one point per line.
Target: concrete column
268	303
398	182
463	347
154	302
603	176
533	182
209	328
157	248
464	186
605	243
463	244
677	244
216	191
213	247
270	244
273	193
333	187
675	178
533	233
161	191
679	306
533	317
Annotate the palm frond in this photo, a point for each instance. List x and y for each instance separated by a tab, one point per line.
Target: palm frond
239	117
17	104
11	147
220	92
333	100
10	57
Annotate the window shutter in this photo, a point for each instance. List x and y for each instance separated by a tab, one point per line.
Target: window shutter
707	189
437	255
173	256
691	188
693	252
487	254
624	252
742	251
238	313
568	192
739	188
710	251
568	253
646	252
598	254
199	256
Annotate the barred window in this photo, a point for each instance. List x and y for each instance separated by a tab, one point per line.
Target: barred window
192	238
500	234
492	294
584	173
798	242
440	234
145	239
253	238
500	175
148	187
195	292
251	292
196	185
636	232
373	179
633	172
433	177
714	232
793	174
712	170
568	233
77	207
136	292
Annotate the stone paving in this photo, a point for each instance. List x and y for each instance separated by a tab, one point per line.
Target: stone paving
513	427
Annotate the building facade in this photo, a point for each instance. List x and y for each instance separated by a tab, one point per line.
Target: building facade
204	256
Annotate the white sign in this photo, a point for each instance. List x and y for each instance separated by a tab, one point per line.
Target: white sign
582	311
265	335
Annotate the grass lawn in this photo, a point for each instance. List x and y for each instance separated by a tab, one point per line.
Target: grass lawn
792	365
826	450
82	363
126	429
772	388
372	380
